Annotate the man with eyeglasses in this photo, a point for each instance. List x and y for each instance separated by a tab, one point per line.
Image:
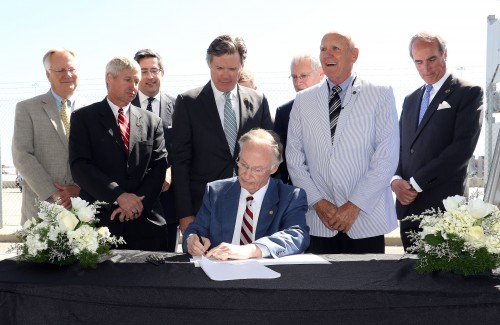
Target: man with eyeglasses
252	215
207	122
151	98
40	140
306	71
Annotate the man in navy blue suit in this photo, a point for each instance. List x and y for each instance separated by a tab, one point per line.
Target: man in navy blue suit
306	71
251	215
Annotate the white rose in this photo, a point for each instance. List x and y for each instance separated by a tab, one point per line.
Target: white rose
475	236
479	209
453	202
86	214
67	220
104	232
77	203
426	230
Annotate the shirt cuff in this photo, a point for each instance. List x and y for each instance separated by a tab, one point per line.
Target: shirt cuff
395	177
415	185
263	248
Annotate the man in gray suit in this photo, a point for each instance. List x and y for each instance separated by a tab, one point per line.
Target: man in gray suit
40	140
342	149
151	98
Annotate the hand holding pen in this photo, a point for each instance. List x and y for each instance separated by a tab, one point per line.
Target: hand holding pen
197	245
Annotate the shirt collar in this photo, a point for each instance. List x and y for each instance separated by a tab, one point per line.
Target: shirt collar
218	93
436	86
259	195
58	99
143	98
115	108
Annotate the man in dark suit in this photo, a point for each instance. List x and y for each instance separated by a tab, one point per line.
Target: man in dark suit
251	215
161	104
306	71
439	128
207	122
117	155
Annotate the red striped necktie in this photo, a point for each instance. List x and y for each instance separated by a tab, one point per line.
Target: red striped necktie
247	224
124	127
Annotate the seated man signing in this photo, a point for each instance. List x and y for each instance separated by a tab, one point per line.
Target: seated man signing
251	215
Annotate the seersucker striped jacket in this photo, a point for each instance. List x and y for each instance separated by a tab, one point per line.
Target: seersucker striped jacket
358	166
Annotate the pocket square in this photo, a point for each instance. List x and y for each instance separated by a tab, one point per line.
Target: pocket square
444	105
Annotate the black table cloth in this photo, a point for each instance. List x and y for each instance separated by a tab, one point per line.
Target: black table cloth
353	289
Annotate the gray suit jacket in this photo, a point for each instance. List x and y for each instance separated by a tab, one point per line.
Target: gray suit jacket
40	150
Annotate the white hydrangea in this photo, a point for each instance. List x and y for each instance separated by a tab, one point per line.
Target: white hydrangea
34	244
85	237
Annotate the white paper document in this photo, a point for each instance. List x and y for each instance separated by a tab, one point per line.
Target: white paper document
248	269
286	260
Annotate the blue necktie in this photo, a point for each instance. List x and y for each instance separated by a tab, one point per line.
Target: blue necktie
425	102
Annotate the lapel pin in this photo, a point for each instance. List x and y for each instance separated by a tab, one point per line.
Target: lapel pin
271	212
447	91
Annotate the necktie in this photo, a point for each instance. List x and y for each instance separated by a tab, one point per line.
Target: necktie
64	116
425	102
150	106
230	127
124	127
247	224
334	104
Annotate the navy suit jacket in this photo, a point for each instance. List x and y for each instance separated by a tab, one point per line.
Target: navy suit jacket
103	170
200	152
167	106
281	225
281	120
436	153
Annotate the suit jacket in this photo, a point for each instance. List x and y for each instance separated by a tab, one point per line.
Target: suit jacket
436	153
281	119
200	152
281	225
101	167
167	106
360	163
40	150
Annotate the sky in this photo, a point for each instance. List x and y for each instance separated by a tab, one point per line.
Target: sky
274	31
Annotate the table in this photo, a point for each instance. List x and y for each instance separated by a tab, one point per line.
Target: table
353	289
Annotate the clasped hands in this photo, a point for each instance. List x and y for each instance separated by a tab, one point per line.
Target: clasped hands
337	218
129	207
64	194
223	251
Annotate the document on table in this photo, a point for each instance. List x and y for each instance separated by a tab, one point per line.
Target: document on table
285	260
248	269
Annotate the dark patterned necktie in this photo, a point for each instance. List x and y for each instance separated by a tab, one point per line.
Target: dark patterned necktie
150	102
335	105
247	223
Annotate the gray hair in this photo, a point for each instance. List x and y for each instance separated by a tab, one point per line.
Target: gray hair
48	56
147	53
227	44
267	136
428	38
315	63
120	63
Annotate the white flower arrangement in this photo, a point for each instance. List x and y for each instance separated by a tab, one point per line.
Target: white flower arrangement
59	236
464	239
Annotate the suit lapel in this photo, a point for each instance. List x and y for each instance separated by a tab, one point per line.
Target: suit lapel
350	97
208	101
229	201
49	105
268	209
136	125
445	90
108	121
166	109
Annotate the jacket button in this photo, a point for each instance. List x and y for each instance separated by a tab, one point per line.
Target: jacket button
412	150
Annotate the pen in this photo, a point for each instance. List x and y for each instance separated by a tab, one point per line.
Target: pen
201	239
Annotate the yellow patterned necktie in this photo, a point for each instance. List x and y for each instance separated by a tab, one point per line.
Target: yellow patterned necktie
64	116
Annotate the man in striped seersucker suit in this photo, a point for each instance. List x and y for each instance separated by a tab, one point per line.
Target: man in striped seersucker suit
343	150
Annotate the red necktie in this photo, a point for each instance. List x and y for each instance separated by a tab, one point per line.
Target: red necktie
124	127
247	224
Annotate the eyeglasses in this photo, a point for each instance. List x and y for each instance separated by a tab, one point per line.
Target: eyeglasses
154	71
259	171
303	76
64	71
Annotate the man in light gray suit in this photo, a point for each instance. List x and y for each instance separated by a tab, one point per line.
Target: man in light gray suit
342	149
40	140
